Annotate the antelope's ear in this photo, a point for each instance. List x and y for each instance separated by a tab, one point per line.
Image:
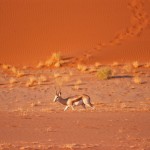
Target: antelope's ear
59	93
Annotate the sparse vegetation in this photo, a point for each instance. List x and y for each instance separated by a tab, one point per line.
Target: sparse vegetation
137	80
54	60
31	82
82	68
40	65
19	73
104	73
97	64
43	78
5	66
115	64
57	64
14	70
136	64
127	68
56	57
12	80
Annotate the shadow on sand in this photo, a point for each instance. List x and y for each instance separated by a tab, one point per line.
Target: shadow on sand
121	77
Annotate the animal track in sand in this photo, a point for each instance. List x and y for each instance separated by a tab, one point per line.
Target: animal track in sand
139	21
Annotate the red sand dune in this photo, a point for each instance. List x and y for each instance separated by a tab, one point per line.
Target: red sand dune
109	30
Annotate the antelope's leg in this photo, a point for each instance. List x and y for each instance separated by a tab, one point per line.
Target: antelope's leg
66	108
83	105
91	106
72	107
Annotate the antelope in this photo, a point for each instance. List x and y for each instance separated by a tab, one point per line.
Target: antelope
73	101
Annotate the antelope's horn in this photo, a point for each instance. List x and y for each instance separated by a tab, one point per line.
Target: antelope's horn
55	89
59	89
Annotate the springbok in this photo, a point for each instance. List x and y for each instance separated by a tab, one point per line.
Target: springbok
77	100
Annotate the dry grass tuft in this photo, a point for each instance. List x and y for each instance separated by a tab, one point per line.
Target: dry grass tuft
43	78
12	80
38	103
14	70
5	66
137	80
115	64
48	62
32	81
82	68
19	73
97	64
40	65
56	57
104	73
57	64
78	82
136	64
127	68
54	60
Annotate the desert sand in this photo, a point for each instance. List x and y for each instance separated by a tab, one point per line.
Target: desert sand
30	31
96	47
31	120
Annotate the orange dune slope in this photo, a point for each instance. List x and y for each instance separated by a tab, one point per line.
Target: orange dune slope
108	30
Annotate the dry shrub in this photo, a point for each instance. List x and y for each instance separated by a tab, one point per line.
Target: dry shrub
40	65
115	64
5	66
56	57
54	60
31	82
12	80
137	80
57	64
48	62
82	68
19	73
136	64
43	78
76	87
104	73
78	82
97	64
127	68
14	70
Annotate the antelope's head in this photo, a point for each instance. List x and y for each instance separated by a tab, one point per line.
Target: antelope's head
57	96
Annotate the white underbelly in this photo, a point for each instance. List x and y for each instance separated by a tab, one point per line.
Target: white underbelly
78	103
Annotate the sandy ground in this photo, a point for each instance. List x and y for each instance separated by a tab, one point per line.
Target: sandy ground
112	33
30	120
